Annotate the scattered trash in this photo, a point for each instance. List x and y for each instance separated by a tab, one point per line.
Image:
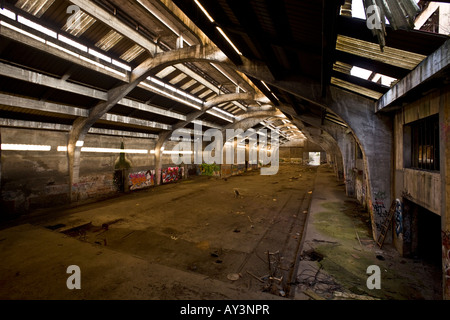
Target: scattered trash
282	293
233	276
254	276
309	192
173	238
305	211
274	199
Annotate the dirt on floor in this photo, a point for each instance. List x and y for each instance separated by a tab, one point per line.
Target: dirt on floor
339	248
245	230
245	237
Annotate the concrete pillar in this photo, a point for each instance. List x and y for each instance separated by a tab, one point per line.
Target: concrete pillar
347	143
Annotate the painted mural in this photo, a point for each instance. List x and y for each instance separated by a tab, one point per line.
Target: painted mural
237	169
171	174
212	170
141	179
398	218
94	185
225	170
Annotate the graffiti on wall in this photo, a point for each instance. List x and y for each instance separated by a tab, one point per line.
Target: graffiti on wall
398	218
446	258
171	174
379	209
141	179
93	186
211	170
225	170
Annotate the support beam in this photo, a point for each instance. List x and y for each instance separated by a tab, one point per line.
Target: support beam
61	50
61	109
60	84
114	23
152	65
437	63
204	82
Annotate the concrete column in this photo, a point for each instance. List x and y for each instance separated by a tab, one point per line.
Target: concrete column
347	143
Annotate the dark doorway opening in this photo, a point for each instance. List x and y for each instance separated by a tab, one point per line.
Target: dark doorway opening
425	230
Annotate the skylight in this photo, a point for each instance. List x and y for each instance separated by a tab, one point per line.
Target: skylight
34	7
132	53
109	40
79	23
360	73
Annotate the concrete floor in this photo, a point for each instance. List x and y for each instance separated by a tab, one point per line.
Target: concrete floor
200	239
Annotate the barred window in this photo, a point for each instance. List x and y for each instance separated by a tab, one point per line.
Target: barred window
425	143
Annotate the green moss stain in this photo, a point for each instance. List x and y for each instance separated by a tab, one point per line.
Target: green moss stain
347	261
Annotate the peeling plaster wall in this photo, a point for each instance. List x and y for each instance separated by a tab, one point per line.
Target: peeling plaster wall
32	179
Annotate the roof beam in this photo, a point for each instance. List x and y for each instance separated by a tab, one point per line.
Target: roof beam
204	82
372	65
193	116
114	23
31	104
58	49
64	127
60	84
360	82
415	41
437	63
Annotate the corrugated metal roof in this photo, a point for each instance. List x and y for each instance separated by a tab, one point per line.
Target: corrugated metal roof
78	23
109	40
132	53
34	7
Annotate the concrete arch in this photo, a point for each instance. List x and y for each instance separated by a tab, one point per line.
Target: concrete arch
81	126
163	137
372	131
